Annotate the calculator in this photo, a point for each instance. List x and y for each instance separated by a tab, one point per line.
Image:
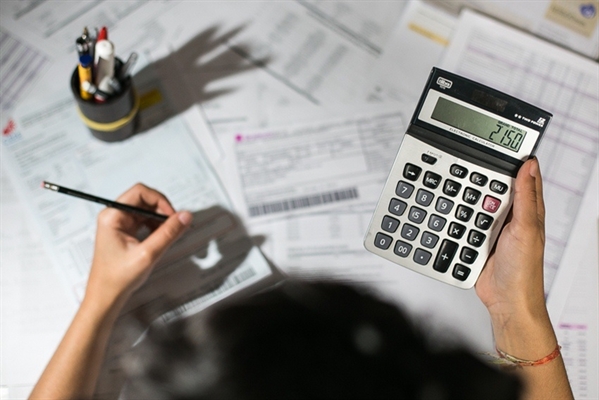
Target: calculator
450	187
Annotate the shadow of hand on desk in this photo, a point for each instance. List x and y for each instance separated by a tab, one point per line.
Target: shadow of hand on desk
213	256
174	83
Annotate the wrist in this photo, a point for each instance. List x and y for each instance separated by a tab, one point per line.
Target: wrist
526	334
100	306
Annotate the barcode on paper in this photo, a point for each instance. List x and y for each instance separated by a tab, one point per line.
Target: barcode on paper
302	202
197	305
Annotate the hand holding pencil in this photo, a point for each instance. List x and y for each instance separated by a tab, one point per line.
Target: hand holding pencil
120	265
121	262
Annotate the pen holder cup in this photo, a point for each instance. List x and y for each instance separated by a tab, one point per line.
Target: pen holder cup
116	118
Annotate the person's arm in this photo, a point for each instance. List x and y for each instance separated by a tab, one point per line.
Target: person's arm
120	265
511	287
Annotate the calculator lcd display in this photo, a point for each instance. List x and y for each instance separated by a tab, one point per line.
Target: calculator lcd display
483	126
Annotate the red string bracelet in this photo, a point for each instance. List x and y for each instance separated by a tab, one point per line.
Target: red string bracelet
528	363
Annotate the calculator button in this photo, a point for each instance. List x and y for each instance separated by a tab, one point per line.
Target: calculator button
429	240
428	159
436	223
444	205
416	215
397	207
478	179
424	197
498	187
431	180
451	188
422	257
483	221
389	224
458	171
460	272
471	196
456	230
468	255
445	255
475	238
491	204
404	189
382	241
402	249
411	172
464	213
409	232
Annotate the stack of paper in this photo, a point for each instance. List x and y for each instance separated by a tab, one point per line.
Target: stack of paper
276	123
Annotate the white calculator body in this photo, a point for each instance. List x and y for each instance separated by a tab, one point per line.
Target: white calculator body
450	188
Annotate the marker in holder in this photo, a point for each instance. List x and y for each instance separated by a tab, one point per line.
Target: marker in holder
114	119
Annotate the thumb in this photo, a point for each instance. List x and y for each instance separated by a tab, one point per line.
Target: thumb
166	234
525	194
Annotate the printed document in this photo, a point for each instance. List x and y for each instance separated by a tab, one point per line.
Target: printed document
20	67
571	23
415	46
312	167
314	49
51	143
244	62
557	80
35	308
572	302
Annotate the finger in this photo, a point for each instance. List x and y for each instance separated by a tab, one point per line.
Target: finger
113	218
142	196
166	234
535	172
525	196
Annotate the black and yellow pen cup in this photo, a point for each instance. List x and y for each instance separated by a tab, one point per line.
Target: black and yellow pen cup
114	119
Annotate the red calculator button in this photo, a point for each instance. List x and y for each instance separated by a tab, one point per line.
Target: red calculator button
491	204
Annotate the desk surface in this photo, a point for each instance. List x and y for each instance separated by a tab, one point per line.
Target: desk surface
228	71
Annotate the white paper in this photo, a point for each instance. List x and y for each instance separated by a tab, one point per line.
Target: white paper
52	26
533	16
415	46
20	67
577	334
573	300
314	49
554	79
52	144
35	308
236	61
289	170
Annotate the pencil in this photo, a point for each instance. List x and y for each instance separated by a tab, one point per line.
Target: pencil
106	202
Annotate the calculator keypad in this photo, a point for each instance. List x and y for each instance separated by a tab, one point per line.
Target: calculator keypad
476	238
444	206
441	216
389	224
404	189
397	207
411	172
451	188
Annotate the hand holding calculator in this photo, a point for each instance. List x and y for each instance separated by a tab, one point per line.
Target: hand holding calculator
450	187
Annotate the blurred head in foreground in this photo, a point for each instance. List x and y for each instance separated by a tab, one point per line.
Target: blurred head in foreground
306	340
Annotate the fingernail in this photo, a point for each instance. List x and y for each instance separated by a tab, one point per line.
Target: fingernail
185	217
534	168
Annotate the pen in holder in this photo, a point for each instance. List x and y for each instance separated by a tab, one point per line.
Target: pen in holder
113	119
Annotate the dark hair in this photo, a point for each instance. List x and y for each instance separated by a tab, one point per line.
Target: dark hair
308	340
